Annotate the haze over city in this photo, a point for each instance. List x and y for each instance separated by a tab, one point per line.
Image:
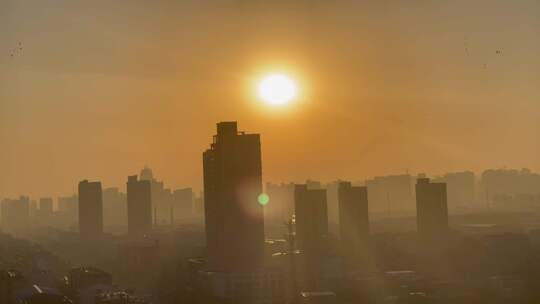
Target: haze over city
269	152
103	88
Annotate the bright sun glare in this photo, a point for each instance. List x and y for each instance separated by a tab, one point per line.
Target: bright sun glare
277	89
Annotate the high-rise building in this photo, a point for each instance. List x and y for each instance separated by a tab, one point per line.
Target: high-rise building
431	209
90	209
353	217
139	206
45	212
311	217
162	198
333	204
232	184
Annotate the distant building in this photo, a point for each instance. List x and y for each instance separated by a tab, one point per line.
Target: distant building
162	198
232	184
311	218
431	209
33	208
68	209
333	204
182	207
391	194
114	207
46	206
15	214
90	210
45	213
146	174
198	206
461	189
506	188
139	206
280	208
313	184
353	217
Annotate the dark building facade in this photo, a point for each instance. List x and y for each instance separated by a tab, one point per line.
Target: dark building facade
90	209
232	182
431	209
139	206
353	217
311	216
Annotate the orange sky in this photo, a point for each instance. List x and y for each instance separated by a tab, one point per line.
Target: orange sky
101	89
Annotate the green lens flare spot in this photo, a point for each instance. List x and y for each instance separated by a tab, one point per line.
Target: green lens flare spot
263	199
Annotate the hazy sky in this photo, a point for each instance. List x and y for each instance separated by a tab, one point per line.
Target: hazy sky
102	88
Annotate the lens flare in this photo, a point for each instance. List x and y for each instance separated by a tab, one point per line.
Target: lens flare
263	199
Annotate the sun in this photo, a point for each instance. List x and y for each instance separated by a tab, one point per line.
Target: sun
277	89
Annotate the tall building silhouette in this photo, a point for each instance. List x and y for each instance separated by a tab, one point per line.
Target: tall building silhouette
232	183
353	217
311	216
139	206
90	209
431	209
162	198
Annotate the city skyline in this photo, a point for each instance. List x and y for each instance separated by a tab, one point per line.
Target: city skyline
269	152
